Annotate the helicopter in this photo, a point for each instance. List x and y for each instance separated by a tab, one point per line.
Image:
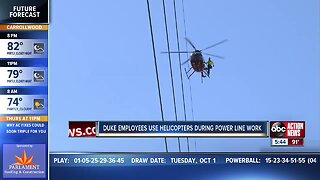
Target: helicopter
196	59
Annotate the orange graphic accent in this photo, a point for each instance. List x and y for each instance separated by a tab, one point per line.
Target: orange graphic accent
23	118
24	160
24	27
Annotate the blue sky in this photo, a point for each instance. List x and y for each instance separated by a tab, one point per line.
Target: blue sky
101	68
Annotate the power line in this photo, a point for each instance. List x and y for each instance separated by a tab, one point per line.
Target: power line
181	79
170	65
156	68
190	88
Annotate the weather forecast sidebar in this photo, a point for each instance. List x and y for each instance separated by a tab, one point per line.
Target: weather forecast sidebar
24	89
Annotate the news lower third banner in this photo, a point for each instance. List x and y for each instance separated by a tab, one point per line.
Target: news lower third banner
169	129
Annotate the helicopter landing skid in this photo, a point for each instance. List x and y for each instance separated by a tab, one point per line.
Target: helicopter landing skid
188	72
207	75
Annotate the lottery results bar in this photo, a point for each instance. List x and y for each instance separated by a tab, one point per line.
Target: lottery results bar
24	89
181	165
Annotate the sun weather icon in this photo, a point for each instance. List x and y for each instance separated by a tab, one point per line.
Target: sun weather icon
38	104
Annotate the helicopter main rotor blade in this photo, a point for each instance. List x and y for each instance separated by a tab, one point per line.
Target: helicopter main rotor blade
216	44
188	40
185	62
214	55
178	52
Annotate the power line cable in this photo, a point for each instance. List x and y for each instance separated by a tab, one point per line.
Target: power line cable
170	66
156	69
181	79
190	88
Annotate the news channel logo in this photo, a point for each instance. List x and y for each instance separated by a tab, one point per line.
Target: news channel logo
277	129
287	129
